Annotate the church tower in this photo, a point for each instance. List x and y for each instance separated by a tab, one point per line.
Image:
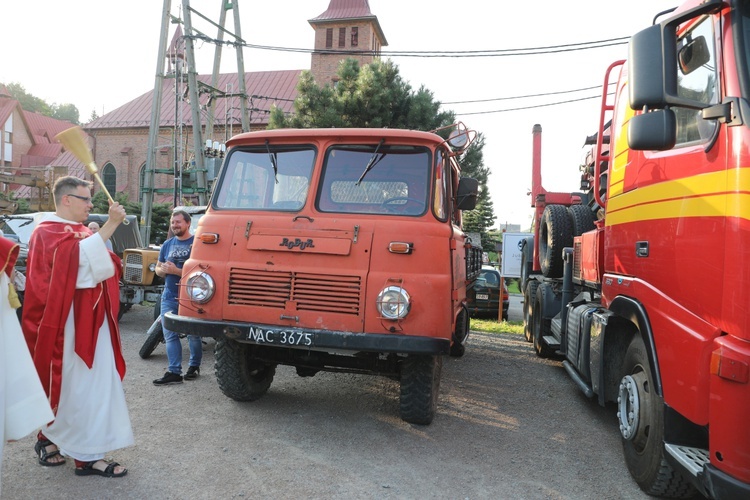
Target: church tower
347	25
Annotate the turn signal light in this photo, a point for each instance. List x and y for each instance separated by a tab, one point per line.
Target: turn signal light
209	238
400	247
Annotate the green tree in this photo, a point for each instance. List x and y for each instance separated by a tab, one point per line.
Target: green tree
34	104
67	112
371	96
480	220
28	102
160	215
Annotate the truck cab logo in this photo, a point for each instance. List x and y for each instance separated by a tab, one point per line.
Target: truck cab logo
296	242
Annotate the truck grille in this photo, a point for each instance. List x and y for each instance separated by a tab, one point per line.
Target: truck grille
311	292
133	268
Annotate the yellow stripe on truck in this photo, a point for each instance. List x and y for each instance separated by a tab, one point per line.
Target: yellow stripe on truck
716	194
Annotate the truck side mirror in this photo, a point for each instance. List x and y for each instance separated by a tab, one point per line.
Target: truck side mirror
654	131
653	61
468	190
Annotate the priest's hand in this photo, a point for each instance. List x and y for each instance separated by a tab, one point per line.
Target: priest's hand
116	216
116	213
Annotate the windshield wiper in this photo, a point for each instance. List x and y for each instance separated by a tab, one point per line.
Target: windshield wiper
372	162
272	156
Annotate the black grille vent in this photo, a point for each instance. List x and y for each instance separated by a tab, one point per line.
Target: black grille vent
311	292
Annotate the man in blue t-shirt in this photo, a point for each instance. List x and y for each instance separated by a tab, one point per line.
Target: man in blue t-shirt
174	252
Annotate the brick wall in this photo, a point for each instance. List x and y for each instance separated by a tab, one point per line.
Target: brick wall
325	66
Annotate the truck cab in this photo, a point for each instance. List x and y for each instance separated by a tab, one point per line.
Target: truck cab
334	249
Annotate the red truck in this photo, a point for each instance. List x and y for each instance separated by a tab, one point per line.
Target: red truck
639	280
337	250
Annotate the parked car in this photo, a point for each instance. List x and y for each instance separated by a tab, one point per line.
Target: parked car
483	299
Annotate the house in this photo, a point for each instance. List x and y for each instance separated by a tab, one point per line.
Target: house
27	154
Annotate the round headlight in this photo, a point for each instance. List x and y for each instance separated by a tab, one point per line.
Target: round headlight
394	302
152	267
200	287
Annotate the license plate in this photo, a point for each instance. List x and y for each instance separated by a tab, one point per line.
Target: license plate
483	296
276	336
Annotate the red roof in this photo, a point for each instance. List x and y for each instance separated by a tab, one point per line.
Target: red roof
6	108
345	9
43	128
266	88
339	10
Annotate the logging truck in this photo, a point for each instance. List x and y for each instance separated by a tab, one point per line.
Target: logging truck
639	281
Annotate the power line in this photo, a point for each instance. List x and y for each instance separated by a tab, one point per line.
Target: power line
550	49
545	94
521	108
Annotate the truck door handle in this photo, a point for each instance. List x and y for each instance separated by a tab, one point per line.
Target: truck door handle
641	248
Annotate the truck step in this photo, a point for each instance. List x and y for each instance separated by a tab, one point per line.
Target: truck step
551	341
557	326
692	459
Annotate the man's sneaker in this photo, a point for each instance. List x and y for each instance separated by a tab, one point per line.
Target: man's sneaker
193	373
169	378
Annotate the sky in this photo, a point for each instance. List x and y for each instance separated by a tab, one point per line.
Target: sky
100	55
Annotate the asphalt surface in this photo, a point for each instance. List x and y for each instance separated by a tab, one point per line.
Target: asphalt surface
509	425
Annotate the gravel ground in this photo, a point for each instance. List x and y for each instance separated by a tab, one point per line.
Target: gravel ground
509	425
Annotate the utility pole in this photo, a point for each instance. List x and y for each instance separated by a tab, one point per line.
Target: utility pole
147	197
194	90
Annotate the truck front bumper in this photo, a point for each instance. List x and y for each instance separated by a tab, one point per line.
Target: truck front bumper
303	338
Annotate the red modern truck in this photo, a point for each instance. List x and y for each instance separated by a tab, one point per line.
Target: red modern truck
639	281
338	250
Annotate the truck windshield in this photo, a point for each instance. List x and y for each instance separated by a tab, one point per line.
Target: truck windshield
396	185
251	180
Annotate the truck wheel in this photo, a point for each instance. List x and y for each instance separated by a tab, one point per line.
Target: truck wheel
555	233
529	296
581	218
420	383
541	326
527	260
154	336
458	345
640	412
239	376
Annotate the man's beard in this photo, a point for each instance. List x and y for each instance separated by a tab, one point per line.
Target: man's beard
178	232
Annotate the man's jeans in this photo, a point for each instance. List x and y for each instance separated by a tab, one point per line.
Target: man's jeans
174	346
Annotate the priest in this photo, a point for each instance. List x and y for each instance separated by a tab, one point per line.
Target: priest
70	323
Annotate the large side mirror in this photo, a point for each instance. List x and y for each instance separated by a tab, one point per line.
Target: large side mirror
468	190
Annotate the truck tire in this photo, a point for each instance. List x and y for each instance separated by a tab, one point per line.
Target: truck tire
529	296
555	233
527	260
239	376
154	336
458	345
541	326
581	219
641	419
420	384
